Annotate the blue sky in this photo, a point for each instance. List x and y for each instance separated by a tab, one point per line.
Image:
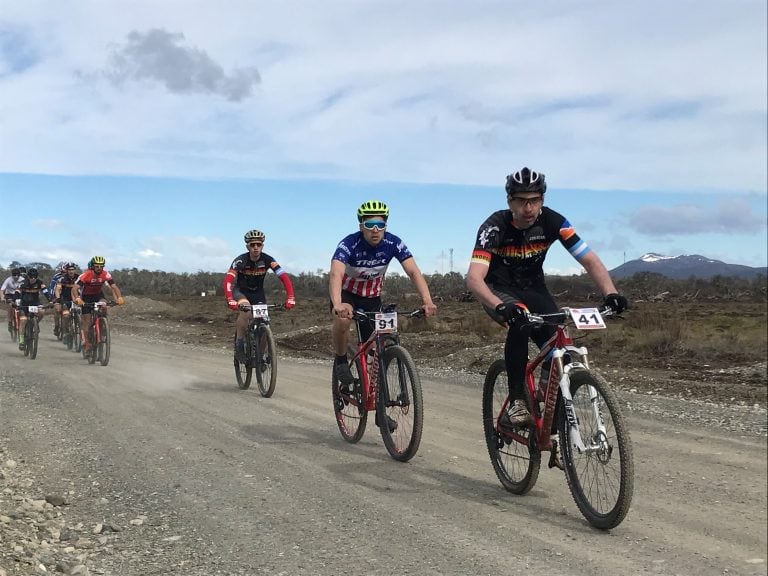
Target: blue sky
158	137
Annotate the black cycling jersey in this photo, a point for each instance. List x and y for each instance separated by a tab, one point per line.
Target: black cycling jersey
515	257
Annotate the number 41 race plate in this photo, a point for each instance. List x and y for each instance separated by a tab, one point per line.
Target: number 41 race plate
587	318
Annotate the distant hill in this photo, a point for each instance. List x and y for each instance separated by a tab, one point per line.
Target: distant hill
682	267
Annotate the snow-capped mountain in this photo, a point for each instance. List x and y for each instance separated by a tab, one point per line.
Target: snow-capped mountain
682	267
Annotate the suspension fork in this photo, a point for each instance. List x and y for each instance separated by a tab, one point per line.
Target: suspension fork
570	414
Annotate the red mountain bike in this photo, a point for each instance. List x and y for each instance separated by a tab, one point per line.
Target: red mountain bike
14	324
394	392
594	438
98	337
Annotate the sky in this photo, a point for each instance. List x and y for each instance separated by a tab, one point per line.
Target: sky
156	133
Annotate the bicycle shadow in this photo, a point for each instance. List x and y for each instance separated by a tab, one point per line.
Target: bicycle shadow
367	465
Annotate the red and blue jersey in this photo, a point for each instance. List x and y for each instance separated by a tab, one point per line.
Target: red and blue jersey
366	265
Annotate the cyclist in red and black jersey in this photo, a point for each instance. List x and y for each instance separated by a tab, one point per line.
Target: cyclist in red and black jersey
89	288
506	273
244	283
29	292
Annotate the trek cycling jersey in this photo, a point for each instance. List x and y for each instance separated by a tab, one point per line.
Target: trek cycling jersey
31	290
516	257
248	276
366	265
92	283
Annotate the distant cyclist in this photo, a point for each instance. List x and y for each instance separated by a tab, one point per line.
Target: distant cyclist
29	291
506	274
89	288
244	283
59	272
62	293
358	267
8	292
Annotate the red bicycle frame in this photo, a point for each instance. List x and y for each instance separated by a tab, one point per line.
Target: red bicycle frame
369	379
544	397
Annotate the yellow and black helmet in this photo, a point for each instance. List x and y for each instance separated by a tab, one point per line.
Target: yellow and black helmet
372	208
97	261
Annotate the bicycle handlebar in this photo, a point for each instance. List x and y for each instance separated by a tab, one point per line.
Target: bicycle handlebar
363	315
559	318
249	307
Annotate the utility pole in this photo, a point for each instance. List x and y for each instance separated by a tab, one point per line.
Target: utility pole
450	251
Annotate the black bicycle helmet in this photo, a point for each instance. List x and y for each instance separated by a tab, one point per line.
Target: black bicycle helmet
15	272
22	269
526	180
32	273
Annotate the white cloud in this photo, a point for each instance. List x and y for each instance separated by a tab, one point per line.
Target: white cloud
148	253
603	95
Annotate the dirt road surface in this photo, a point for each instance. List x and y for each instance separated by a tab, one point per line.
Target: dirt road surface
161	465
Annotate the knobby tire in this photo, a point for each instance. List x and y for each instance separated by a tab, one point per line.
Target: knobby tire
402	402
601	482
349	409
266	362
516	458
105	341
243	370
34	337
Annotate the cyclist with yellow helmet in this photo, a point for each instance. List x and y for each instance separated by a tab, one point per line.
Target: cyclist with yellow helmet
89	288
357	274
244	283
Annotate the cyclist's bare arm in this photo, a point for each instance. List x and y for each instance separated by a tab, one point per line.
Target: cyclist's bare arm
414	273
598	272
334	290
476	284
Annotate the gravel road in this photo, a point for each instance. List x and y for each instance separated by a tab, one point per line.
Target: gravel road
158	464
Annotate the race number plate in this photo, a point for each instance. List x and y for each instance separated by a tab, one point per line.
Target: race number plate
33	309
386	322
587	318
260	311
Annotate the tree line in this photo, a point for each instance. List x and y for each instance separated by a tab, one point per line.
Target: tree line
450	286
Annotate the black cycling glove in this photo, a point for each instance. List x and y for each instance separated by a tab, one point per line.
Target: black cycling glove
616	302
510	312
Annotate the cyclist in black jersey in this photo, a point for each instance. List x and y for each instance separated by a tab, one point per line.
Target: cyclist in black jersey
244	283
506	273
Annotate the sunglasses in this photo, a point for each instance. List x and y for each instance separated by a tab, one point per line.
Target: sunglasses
526	201
375	225
255	244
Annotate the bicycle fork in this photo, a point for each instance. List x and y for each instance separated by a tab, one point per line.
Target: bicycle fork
599	442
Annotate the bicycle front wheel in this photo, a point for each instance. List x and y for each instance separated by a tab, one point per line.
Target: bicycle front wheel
601	478
266	363
105	341
13	331
34	338
514	454
400	407
349	409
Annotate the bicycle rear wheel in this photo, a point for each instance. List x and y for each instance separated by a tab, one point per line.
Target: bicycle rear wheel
601	479
266	364
351	415
400	404
105	341
244	370
515	455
